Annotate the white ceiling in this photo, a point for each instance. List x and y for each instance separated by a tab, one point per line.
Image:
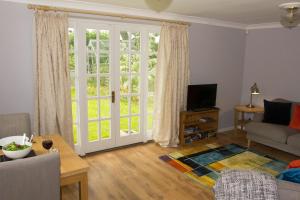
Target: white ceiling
238	11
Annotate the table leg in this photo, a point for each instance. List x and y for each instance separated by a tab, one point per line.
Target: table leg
83	187
243	121
236	119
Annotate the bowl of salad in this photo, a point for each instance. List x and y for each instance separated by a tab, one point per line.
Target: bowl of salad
16	150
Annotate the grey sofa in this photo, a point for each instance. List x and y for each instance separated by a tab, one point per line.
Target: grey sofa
273	135
280	137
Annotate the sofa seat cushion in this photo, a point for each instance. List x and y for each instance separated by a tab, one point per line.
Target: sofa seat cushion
294	140
274	132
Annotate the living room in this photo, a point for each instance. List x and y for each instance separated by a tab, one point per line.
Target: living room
233	45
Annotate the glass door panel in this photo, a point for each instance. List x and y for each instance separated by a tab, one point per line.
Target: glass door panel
98	89
130	77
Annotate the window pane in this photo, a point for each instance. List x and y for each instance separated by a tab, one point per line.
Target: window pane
124	128
124	105
124	84
71	39
75	133
104	86
153	42
152	65
151	82
104	63
135	84
105	107
74	111
135	105
150	122
105	129
93	109
135	63
124	41
91	37
73	88
124	63
135	125
150	104
104	40
71	61
91	63
93	131
135	41
91	49
153	49
92	86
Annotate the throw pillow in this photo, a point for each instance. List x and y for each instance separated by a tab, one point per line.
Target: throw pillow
295	122
292	175
294	164
277	112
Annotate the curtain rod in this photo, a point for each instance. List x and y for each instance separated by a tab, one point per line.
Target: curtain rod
108	14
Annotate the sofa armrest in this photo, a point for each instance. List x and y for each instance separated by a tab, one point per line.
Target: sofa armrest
288	190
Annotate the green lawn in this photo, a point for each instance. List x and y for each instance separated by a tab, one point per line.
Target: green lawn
105	109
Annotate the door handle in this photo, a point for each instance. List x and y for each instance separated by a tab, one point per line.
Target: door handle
113	96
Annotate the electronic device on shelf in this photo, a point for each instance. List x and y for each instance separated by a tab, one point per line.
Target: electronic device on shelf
201	97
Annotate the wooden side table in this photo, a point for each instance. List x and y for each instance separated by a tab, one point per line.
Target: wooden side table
244	109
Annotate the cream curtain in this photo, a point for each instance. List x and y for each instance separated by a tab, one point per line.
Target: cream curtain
53	111
172	77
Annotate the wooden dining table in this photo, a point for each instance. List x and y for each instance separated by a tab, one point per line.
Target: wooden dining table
73	169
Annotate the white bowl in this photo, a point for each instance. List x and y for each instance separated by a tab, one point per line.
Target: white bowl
10	139
18	154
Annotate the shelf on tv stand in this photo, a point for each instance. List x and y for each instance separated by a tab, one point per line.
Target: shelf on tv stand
193	119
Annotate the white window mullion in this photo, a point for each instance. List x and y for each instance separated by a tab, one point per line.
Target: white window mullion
144	84
115	54
82	79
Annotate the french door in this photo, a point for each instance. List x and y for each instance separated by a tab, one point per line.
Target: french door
112	81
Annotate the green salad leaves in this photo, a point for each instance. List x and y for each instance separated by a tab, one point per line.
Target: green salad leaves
15	147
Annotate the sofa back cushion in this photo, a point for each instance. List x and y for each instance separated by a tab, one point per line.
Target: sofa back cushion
277	112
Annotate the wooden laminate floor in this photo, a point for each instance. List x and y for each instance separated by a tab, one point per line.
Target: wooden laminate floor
136	172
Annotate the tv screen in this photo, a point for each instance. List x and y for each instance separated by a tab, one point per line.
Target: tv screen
201	96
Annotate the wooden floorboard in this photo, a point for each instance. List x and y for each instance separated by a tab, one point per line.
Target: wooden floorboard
135	172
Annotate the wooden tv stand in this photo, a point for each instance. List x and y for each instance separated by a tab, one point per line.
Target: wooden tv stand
197	125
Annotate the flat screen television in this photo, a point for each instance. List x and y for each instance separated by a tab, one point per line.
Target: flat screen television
201	96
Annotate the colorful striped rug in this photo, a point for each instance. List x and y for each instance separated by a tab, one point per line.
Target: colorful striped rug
205	165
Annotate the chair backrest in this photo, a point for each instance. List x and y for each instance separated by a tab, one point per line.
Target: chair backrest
36	178
14	124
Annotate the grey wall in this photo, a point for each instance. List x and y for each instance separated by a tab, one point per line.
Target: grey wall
16	69
272	59
217	56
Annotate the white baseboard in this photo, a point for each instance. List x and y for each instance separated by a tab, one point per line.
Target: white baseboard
222	130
